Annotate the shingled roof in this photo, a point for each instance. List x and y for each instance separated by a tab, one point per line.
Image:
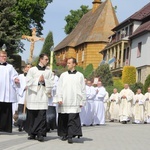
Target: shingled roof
93	27
139	16
144	28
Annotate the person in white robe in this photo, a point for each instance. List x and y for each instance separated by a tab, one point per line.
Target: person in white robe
125	109
147	106
83	113
39	85
114	106
70	96
8	95
21	96
106	105
88	116
138	107
99	109
51	113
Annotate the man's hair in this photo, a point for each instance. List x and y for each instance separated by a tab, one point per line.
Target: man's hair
73	60
3	52
27	65
42	55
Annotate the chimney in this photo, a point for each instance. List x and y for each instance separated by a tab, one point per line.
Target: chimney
96	3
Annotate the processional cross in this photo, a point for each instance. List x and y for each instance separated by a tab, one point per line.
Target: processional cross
32	39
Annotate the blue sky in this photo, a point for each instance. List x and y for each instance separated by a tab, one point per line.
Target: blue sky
57	10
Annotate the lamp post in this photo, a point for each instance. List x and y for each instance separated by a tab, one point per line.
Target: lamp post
51	57
4	47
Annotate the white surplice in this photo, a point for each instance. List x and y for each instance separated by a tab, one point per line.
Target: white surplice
138	108
72	93
99	109
106	105
8	88
125	109
114	106
37	95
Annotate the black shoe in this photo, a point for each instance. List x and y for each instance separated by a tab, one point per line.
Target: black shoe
40	138
124	122
84	125
70	140
20	129
64	138
31	137
111	121
145	122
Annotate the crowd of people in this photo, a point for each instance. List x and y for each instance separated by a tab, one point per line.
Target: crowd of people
124	106
38	101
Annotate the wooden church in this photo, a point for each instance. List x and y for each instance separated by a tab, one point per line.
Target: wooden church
90	36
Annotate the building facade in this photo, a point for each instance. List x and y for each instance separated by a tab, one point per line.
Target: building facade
130	45
89	36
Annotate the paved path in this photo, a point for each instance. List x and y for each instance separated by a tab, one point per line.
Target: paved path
112	136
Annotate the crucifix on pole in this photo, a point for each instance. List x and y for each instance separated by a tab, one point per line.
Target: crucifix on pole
32	39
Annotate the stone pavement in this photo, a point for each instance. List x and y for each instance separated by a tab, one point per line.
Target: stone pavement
112	136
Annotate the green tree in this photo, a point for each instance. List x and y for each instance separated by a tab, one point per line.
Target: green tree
48	44
30	13
17	17
105	75
146	83
74	17
9	33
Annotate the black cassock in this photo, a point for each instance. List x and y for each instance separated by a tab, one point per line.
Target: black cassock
69	125
51	118
5	117
36	122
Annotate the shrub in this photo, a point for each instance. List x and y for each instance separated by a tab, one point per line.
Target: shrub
105	75
129	75
136	86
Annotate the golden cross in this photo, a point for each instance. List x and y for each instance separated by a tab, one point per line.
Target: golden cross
32	39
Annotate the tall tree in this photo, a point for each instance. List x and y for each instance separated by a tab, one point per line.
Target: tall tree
74	17
48	44
9	33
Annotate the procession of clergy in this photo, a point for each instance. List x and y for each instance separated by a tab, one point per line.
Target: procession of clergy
41	83
121	107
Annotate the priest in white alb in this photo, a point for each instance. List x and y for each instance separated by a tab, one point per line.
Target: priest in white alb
125	109
138	107
8	88
114	106
99	109
88	117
